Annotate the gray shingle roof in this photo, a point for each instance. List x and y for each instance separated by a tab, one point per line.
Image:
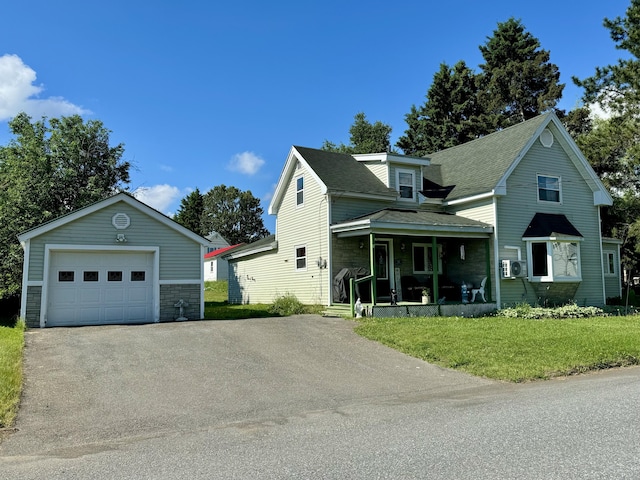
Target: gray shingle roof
417	220
477	166
341	172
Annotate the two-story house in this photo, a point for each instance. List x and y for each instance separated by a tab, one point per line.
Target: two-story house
516	212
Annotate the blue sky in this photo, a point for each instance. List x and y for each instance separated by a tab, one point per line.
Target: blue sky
206	93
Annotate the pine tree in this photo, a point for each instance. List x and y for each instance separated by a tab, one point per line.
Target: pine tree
190	212
518	80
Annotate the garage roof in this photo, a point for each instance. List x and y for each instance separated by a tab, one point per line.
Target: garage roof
119	197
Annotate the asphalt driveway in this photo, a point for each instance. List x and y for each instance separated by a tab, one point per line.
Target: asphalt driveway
94	389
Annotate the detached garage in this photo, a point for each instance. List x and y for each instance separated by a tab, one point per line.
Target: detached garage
118	261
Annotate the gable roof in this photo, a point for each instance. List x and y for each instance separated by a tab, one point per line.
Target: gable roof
334	172
220	251
244	250
483	165
476	167
94	207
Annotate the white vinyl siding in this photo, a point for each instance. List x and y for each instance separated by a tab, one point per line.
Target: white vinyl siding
262	277
481	211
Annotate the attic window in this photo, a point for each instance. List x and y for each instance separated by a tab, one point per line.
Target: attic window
546	138
121	221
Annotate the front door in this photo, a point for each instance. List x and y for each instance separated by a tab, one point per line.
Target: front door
383	252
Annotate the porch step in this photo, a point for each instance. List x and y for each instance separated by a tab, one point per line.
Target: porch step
339	310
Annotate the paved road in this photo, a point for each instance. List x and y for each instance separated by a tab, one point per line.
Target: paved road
300	397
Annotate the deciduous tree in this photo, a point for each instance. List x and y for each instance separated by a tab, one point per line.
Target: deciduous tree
48	169
234	214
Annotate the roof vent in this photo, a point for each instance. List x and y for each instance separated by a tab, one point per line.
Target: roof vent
121	221
546	138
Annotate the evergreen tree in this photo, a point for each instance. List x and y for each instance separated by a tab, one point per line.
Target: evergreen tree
450	115
190	212
365	137
518	80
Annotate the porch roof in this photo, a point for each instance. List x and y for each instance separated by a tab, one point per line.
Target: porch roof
412	222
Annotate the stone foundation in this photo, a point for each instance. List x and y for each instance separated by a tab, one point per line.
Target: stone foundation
172	294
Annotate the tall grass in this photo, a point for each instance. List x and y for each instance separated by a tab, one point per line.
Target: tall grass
513	349
11	349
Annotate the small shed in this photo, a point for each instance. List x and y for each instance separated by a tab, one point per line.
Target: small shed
117	261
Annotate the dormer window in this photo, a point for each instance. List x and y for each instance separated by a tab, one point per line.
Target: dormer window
549	189
406	184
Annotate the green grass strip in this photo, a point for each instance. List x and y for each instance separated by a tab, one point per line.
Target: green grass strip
11	349
512	349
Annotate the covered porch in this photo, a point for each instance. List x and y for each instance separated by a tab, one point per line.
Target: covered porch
401	256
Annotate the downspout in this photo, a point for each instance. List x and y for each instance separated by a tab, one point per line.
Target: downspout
329	253
604	289
496	253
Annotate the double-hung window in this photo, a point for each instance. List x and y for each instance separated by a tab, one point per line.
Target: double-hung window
406	184
299	191
554	260
301	257
549	189
609	262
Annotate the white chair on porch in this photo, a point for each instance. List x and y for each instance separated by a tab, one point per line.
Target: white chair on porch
475	291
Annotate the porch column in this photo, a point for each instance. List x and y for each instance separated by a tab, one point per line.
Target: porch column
434	266
372	264
487	250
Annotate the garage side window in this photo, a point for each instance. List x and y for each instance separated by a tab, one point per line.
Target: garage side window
114	276
90	276
137	276
66	276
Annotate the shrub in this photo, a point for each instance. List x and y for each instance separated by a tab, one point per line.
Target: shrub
570	310
287	305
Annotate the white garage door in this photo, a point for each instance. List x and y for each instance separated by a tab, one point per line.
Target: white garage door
95	288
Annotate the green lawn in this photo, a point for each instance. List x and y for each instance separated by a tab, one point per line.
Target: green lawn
11	347
512	349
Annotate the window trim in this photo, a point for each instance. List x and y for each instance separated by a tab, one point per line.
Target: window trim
400	171
427	255
559	190
297	258
300	192
551	276
606	254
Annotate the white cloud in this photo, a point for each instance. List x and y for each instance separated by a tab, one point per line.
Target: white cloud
159	197
19	94
246	162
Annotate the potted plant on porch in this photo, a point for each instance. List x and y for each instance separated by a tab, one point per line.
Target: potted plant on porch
425	296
